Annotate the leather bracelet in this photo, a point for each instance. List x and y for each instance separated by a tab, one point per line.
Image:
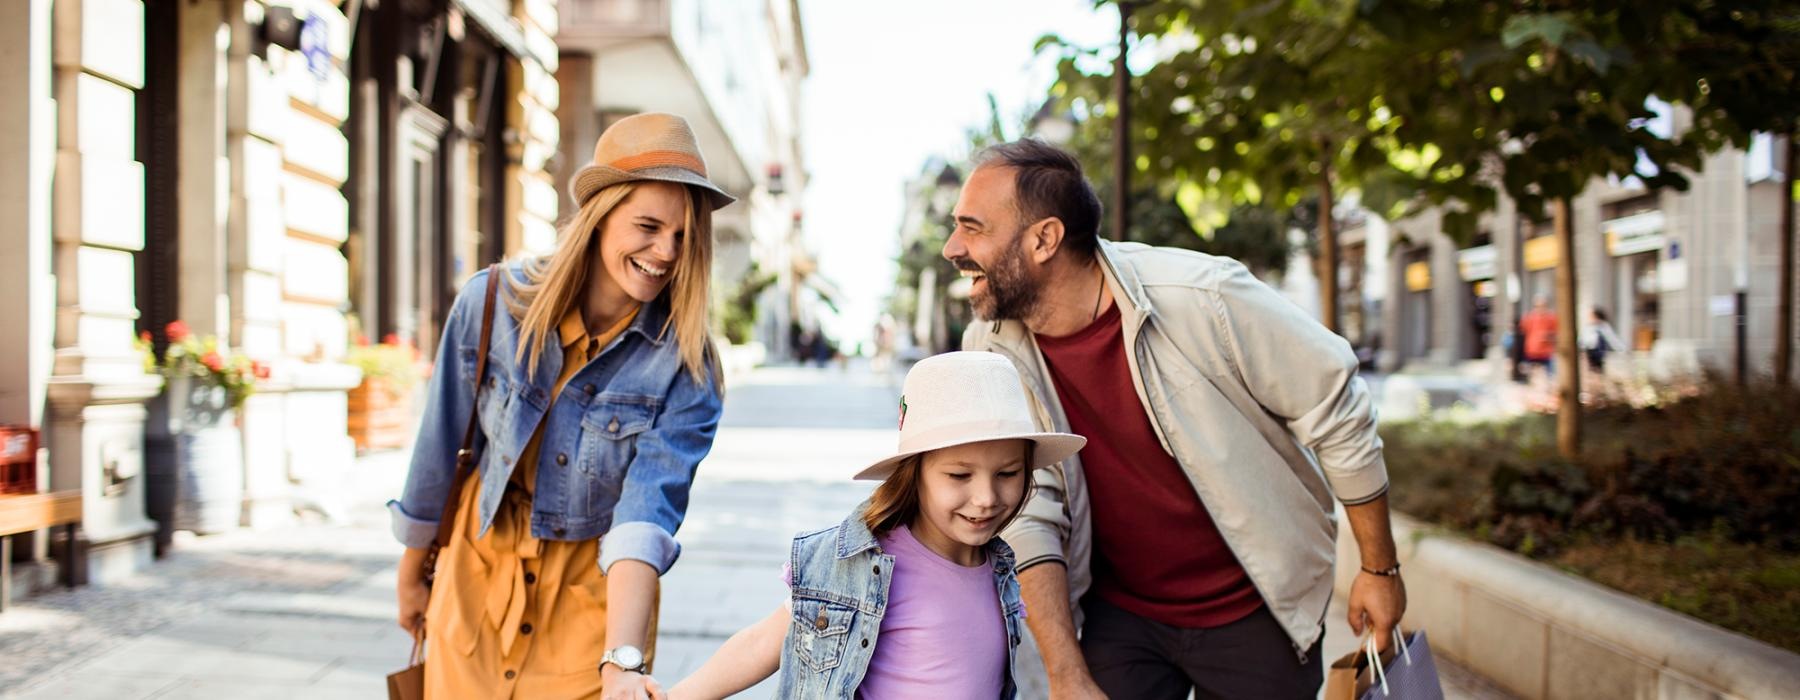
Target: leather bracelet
1390	571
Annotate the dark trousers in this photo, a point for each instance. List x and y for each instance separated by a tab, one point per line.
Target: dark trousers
1141	659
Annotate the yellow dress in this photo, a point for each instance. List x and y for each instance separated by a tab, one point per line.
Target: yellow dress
496	597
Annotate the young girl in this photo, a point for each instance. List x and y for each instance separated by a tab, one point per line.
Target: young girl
914	594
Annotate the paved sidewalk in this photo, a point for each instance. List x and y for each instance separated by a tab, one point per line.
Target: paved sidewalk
307	612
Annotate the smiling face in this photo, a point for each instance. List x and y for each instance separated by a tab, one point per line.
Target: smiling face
966	494
987	245
641	241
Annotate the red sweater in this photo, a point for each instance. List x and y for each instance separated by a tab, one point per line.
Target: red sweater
1157	552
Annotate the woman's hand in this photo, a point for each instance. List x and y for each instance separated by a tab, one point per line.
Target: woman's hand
628	685
412	593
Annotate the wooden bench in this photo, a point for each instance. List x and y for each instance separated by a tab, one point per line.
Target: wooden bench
31	512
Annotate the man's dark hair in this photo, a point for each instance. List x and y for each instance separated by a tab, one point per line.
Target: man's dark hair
1047	182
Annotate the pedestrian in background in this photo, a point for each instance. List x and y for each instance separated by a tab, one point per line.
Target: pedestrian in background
602	396
1191	540
1598	339
914	594
1539	328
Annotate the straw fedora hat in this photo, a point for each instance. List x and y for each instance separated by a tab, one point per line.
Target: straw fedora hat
962	397
649	146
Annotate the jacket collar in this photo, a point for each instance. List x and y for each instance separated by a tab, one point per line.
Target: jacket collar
854	537
1128	294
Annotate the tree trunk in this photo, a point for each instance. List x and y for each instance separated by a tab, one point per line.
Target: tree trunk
1568	356
1122	131
1328	257
1784	304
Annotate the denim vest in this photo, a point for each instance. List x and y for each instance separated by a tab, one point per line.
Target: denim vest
839	594
619	445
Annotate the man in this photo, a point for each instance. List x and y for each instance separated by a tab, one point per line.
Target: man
1196	530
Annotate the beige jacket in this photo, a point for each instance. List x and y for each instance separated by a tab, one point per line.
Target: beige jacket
1258	402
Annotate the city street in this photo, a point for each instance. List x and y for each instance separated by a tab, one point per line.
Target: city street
306	612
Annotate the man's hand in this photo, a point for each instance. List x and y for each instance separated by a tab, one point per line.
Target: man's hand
1379	600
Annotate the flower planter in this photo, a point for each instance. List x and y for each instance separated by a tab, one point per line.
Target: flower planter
209	457
380	414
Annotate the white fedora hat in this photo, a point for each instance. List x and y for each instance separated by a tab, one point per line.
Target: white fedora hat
962	397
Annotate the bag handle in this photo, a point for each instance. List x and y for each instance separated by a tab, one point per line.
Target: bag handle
465	456
1374	658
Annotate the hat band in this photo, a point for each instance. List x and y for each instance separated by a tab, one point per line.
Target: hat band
659	159
971	431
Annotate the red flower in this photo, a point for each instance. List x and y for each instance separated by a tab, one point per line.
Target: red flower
177	331
390	339
213	361
144	336
259	370
361	341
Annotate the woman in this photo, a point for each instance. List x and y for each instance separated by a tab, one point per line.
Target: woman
601	396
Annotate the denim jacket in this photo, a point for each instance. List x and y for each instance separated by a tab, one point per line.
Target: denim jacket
839	595
619	447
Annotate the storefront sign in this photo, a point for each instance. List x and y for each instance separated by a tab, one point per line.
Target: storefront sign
1541	253
1638	233
315	45
1418	276
1478	263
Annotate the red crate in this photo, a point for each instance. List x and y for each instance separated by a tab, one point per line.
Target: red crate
18	459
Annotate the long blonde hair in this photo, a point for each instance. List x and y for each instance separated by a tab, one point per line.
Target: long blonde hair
552	282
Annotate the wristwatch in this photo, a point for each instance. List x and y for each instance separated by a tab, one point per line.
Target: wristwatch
628	658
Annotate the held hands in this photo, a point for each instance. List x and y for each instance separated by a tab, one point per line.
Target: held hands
1380	602
628	685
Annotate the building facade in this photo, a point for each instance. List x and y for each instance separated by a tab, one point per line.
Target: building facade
285	175
1667	267
735	71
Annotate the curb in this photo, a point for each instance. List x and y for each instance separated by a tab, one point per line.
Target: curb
1542	633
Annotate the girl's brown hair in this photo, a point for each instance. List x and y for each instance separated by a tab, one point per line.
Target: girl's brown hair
896	501
553	282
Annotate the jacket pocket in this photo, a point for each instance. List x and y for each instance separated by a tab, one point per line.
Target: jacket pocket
821	630
609	433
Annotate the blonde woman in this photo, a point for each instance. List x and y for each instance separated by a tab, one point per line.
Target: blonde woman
600	398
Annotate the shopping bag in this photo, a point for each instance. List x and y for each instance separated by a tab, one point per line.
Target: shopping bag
1410	673
409	683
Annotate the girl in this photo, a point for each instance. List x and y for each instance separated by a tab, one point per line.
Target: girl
914	595
600	398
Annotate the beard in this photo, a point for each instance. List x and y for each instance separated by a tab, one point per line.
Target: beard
1010	293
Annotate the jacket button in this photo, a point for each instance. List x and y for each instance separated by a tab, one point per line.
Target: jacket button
562	459
613	427
589	388
506	459
821	623
558	532
865	644
525	628
877	569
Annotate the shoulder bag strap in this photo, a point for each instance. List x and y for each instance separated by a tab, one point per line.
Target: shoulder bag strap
465	456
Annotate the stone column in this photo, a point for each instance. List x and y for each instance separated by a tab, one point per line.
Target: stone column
27	151
98	387
289	221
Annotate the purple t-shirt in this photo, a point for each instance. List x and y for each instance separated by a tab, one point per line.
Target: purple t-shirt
943	636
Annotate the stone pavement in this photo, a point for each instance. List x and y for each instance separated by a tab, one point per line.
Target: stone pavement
307	611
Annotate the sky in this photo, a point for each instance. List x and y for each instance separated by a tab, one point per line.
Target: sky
892	84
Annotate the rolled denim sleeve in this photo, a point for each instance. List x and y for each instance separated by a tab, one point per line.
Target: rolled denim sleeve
654	499
449	398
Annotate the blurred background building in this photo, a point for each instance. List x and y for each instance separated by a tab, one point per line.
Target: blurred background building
298	177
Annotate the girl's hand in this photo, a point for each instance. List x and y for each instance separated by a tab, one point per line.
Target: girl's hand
629	685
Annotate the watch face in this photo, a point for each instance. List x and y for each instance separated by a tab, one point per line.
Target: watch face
628	657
